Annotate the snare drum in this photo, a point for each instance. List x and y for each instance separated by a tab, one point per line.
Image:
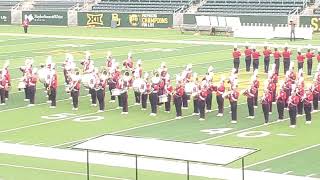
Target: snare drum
163	98
115	92
189	88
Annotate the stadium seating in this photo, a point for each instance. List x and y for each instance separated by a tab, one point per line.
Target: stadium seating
56	5
317	11
275	7
162	6
6	5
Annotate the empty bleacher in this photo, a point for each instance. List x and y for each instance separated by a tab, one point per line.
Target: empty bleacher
54	5
159	6
262	7
317	11
7	5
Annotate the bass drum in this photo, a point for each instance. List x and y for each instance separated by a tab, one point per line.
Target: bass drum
88	80
43	75
189	88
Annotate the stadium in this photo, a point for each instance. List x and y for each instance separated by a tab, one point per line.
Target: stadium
159	89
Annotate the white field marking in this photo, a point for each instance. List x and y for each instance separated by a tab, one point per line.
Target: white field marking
61	171
13	39
130	129
21	142
38	144
288	172
286	135
254	127
310	175
28	43
283	155
265	170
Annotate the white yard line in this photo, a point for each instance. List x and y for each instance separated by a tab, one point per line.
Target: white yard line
61	171
310	175
265	170
261	44
283	155
288	172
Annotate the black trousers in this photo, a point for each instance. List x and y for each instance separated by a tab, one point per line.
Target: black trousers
6	94
293	115
307	111
202	106
124	99
250	102
274	93
277	62
300	108
93	94
300	66
255	64
178	103
236	64
120	100
144	98
65	74
248	63
209	101
100	97
195	106
75	98
26	92
280	108
256	98
137	96
32	93
53	96
309	66
270	107
153	98
265	109
315	101
112	86
2	96
286	65
234	110
266	64
167	105
25	29
220	102
185	100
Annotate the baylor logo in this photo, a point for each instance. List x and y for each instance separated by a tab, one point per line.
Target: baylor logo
94	19
134	19
115	17
315	23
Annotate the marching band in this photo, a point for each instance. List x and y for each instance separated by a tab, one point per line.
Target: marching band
157	88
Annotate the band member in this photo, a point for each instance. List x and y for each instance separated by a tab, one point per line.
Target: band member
210	89
6	74
316	91
2	88
307	102
236	58
292	104
265	101
300	59
32	81
128	63
309	56
92	89
247	53
25	24
202	100
168	92
219	98
286	54
318	56
256	84
27	71
249	93
153	97
137	73
101	83
186	76
277	56
75	90
124	86
177	97
112	81
195	94
255	57
52	88
233	96
274	79
68	67
88	64
109	60
300	93
281	101
145	89
266	52
271	86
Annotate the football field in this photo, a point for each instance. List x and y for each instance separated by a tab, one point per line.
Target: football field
282	150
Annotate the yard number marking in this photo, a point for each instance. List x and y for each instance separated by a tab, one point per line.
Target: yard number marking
76	119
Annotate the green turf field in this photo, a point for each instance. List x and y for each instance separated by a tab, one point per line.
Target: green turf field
282	150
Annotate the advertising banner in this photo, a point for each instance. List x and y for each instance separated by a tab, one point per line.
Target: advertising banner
56	18
5	17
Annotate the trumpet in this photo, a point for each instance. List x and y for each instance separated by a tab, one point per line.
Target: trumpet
226	94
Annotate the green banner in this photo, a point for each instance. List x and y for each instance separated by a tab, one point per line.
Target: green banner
56	18
274	20
125	19
313	21
5	17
